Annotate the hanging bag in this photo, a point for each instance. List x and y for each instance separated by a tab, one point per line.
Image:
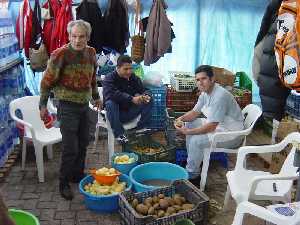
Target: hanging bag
138	40
38	58
287	44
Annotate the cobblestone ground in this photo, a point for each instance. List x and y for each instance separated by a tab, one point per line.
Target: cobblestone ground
22	190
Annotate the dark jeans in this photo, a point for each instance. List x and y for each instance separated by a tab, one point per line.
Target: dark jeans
74	127
117	116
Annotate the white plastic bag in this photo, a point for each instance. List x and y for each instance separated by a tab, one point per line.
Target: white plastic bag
153	78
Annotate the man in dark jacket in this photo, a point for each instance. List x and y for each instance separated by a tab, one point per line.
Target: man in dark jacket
272	93
125	98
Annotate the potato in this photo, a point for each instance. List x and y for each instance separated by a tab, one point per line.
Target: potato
177	200
155	199
149	199
151	211
177	207
177	196
170	201
164	204
156	206
183	200
161	196
155	216
134	203
171	210
147	203
161	213
167	214
187	206
142	209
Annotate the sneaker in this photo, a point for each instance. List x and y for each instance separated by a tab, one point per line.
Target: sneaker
122	139
142	130
66	191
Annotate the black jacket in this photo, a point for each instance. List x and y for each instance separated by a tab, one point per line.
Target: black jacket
121	90
110	30
272	93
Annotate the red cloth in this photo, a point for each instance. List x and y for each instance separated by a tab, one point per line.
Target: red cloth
49	24
60	34
24	26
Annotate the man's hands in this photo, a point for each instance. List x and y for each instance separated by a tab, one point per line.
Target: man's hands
179	125
141	99
97	104
43	113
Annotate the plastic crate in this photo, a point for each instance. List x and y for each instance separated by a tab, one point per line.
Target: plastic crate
222	157
181	101
199	214
242	96
158	113
167	153
182	81
292	106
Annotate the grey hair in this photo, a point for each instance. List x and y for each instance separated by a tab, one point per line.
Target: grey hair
80	23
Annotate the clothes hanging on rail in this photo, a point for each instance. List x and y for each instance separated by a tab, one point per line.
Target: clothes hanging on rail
109	29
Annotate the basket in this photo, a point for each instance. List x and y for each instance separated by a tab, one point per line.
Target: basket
158	112
137	48
181	101
199	214
182	81
223	77
242	96
166	154
105	203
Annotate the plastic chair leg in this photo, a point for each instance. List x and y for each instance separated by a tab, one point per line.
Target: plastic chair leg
50	151
24	153
39	161
227	199
110	144
96	136
204	169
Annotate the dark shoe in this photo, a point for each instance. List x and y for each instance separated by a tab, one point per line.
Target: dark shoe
196	181
122	139
78	178
66	191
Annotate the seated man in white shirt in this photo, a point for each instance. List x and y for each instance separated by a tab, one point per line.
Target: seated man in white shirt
222	114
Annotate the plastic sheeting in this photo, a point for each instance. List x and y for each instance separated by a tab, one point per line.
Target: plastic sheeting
216	32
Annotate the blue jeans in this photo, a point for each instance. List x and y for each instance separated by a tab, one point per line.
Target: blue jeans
117	116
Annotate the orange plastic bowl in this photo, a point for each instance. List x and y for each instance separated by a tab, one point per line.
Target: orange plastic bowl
102	179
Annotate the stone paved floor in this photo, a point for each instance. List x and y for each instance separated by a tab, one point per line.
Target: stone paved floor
22	190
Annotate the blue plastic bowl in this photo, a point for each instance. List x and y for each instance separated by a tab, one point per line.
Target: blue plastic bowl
125	168
155	170
105	203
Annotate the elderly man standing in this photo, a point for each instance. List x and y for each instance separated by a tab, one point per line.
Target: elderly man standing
222	114
71	74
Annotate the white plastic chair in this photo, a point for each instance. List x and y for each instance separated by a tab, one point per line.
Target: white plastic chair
34	129
244	184
251	113
105	123
263	213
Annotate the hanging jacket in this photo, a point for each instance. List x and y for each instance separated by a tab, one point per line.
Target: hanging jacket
53	6
64	16
108	30
36	26
272	93
24	26
158	33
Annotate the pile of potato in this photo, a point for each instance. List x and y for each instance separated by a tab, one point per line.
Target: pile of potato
146	150
161	206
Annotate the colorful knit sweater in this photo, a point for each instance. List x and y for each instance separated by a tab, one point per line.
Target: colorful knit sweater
71	75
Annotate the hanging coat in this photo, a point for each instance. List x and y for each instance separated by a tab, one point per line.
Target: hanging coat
36	26
158	33
24	26
108	30
60	34
53	6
